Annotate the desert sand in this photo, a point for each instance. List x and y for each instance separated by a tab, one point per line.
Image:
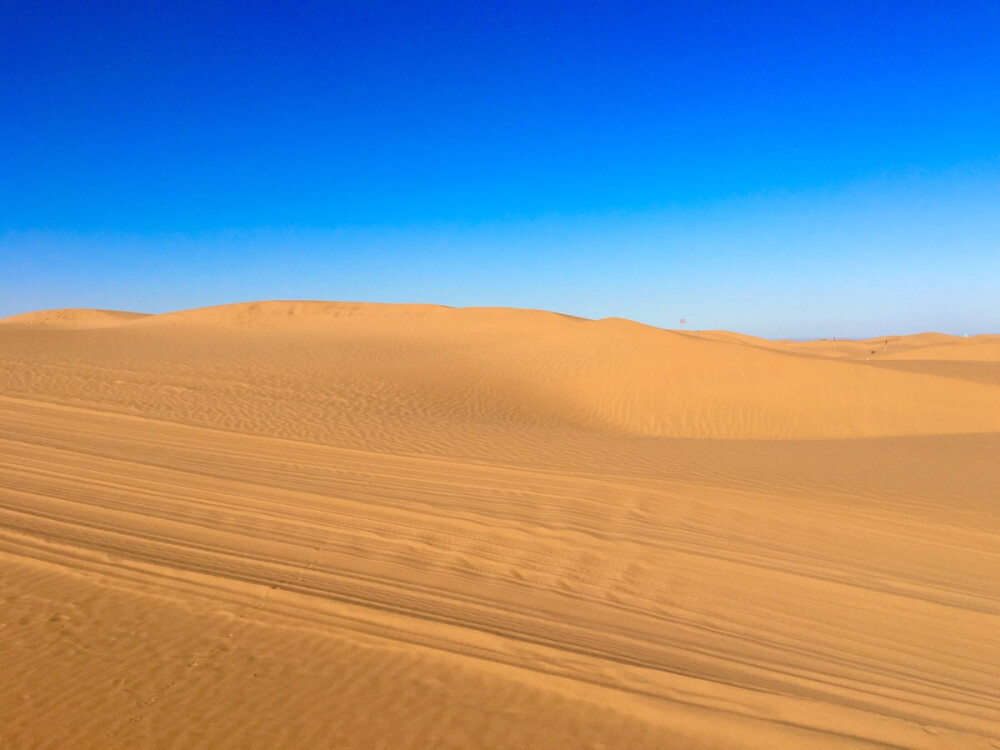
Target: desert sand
310	524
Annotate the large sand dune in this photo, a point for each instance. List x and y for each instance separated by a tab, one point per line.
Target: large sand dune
308	524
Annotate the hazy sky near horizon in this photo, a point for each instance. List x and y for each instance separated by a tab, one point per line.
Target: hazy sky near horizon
796	169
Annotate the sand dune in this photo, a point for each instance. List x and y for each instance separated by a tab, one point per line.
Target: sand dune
290	524
73	318
425	363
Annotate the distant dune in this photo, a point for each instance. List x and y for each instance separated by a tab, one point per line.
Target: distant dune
73	318
290	524
506	366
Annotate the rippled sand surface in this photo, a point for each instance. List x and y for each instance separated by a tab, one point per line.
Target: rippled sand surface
306	524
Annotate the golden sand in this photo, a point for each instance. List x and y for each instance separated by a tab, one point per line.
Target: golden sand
308	524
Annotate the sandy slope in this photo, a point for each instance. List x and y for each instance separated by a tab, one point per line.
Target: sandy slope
295	524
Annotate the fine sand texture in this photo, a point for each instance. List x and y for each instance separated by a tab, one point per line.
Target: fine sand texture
340	525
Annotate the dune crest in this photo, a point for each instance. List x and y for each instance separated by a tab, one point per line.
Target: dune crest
73	318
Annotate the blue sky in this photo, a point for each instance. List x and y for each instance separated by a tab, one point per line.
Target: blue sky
782	169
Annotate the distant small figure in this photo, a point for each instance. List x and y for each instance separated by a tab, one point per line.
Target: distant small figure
683	321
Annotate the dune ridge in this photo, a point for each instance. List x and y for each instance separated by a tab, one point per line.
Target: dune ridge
345	524
506	366
73	318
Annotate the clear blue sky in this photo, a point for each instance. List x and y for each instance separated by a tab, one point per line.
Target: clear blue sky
783	169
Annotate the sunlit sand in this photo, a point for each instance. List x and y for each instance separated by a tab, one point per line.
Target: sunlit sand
311	524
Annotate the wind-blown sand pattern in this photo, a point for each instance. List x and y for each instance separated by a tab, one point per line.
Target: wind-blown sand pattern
299	524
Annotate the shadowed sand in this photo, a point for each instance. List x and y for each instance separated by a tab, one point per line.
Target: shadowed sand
311	524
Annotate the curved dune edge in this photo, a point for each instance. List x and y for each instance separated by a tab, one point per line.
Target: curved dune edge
398	364
74	318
